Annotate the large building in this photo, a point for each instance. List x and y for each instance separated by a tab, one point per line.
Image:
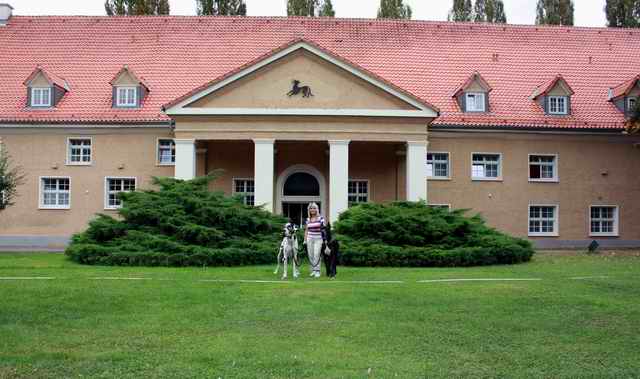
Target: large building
522	124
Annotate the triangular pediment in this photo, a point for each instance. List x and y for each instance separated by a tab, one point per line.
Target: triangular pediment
326	85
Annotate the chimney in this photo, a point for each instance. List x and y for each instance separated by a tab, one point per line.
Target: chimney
5	13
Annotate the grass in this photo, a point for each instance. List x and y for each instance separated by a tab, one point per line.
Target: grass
178	325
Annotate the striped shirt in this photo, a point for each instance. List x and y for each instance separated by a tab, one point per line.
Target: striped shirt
314	228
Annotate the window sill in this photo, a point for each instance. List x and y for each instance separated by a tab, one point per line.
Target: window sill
112	209
486	179
165	164
543	180
44	208
604	235
441	178
78	164
543	234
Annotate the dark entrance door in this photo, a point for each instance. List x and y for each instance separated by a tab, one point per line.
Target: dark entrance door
299	190
296	212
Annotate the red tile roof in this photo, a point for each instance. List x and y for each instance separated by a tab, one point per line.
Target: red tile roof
176	54
544	88
51	78
624	88
474	77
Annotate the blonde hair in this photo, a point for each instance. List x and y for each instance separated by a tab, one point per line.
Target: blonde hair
312	205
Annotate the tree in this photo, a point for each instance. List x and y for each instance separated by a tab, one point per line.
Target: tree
394	9
554	12
310	8
461	11
221	7
622	13
10	179
489	11
136	7
633	122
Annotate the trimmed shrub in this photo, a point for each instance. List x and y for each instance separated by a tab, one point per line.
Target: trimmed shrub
412	234
182	223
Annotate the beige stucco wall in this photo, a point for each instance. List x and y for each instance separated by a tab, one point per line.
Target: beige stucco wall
592	171
38	151
332	88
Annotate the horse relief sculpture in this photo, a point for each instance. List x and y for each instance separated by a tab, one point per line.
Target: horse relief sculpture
296	89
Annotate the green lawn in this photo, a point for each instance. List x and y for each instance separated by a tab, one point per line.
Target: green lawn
206	323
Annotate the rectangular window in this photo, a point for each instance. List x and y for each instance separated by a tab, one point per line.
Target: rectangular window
55	193
475	102
557	104
631	103
166	152
543	220
127	97
41	97
246	189
79	151
486	166
443	206
543	168
438	165
358	191
113	187
603	221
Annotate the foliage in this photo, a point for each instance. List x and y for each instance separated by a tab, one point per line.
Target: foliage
394	9
554	12
622	13
182	223
414	234
221	7
11	177
483	11
310	8
136	7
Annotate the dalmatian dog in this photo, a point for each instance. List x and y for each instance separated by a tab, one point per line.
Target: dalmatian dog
288	251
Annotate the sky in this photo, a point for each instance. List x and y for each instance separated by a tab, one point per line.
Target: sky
587	12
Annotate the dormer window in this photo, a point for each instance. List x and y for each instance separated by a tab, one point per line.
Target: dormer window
127	96
129	90
44	89
475	102
40	97
473	94
557	105
554	96
631	103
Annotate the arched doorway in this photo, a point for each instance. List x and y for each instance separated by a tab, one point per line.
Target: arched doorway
298	186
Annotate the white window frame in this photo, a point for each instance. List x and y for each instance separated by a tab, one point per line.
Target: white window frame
429	177
476	96
41	204
556	223
448	206
630	106
357	194
558	111
106	190
33	90
120	103
616	221
244	194
158	162
71	163
487	179
555	177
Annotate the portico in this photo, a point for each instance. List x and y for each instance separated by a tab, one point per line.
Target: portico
353	132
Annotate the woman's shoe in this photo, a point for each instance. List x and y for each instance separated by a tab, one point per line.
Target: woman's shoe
316	274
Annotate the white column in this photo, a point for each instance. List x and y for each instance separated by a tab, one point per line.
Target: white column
263	173
416	170
185	168
338	178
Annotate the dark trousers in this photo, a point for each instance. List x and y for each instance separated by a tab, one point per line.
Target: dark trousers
331	260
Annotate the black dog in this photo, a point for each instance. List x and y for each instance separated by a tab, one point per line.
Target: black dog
330	259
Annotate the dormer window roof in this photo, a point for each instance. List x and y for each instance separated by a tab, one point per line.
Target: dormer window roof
129	90
473	94
44	89
554	96
625	96
623	89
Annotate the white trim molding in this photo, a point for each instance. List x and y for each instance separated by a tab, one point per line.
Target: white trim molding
263	171
339	178
185	166
416	175
616	221
423	110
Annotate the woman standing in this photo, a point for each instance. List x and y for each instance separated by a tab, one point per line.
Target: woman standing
313	237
